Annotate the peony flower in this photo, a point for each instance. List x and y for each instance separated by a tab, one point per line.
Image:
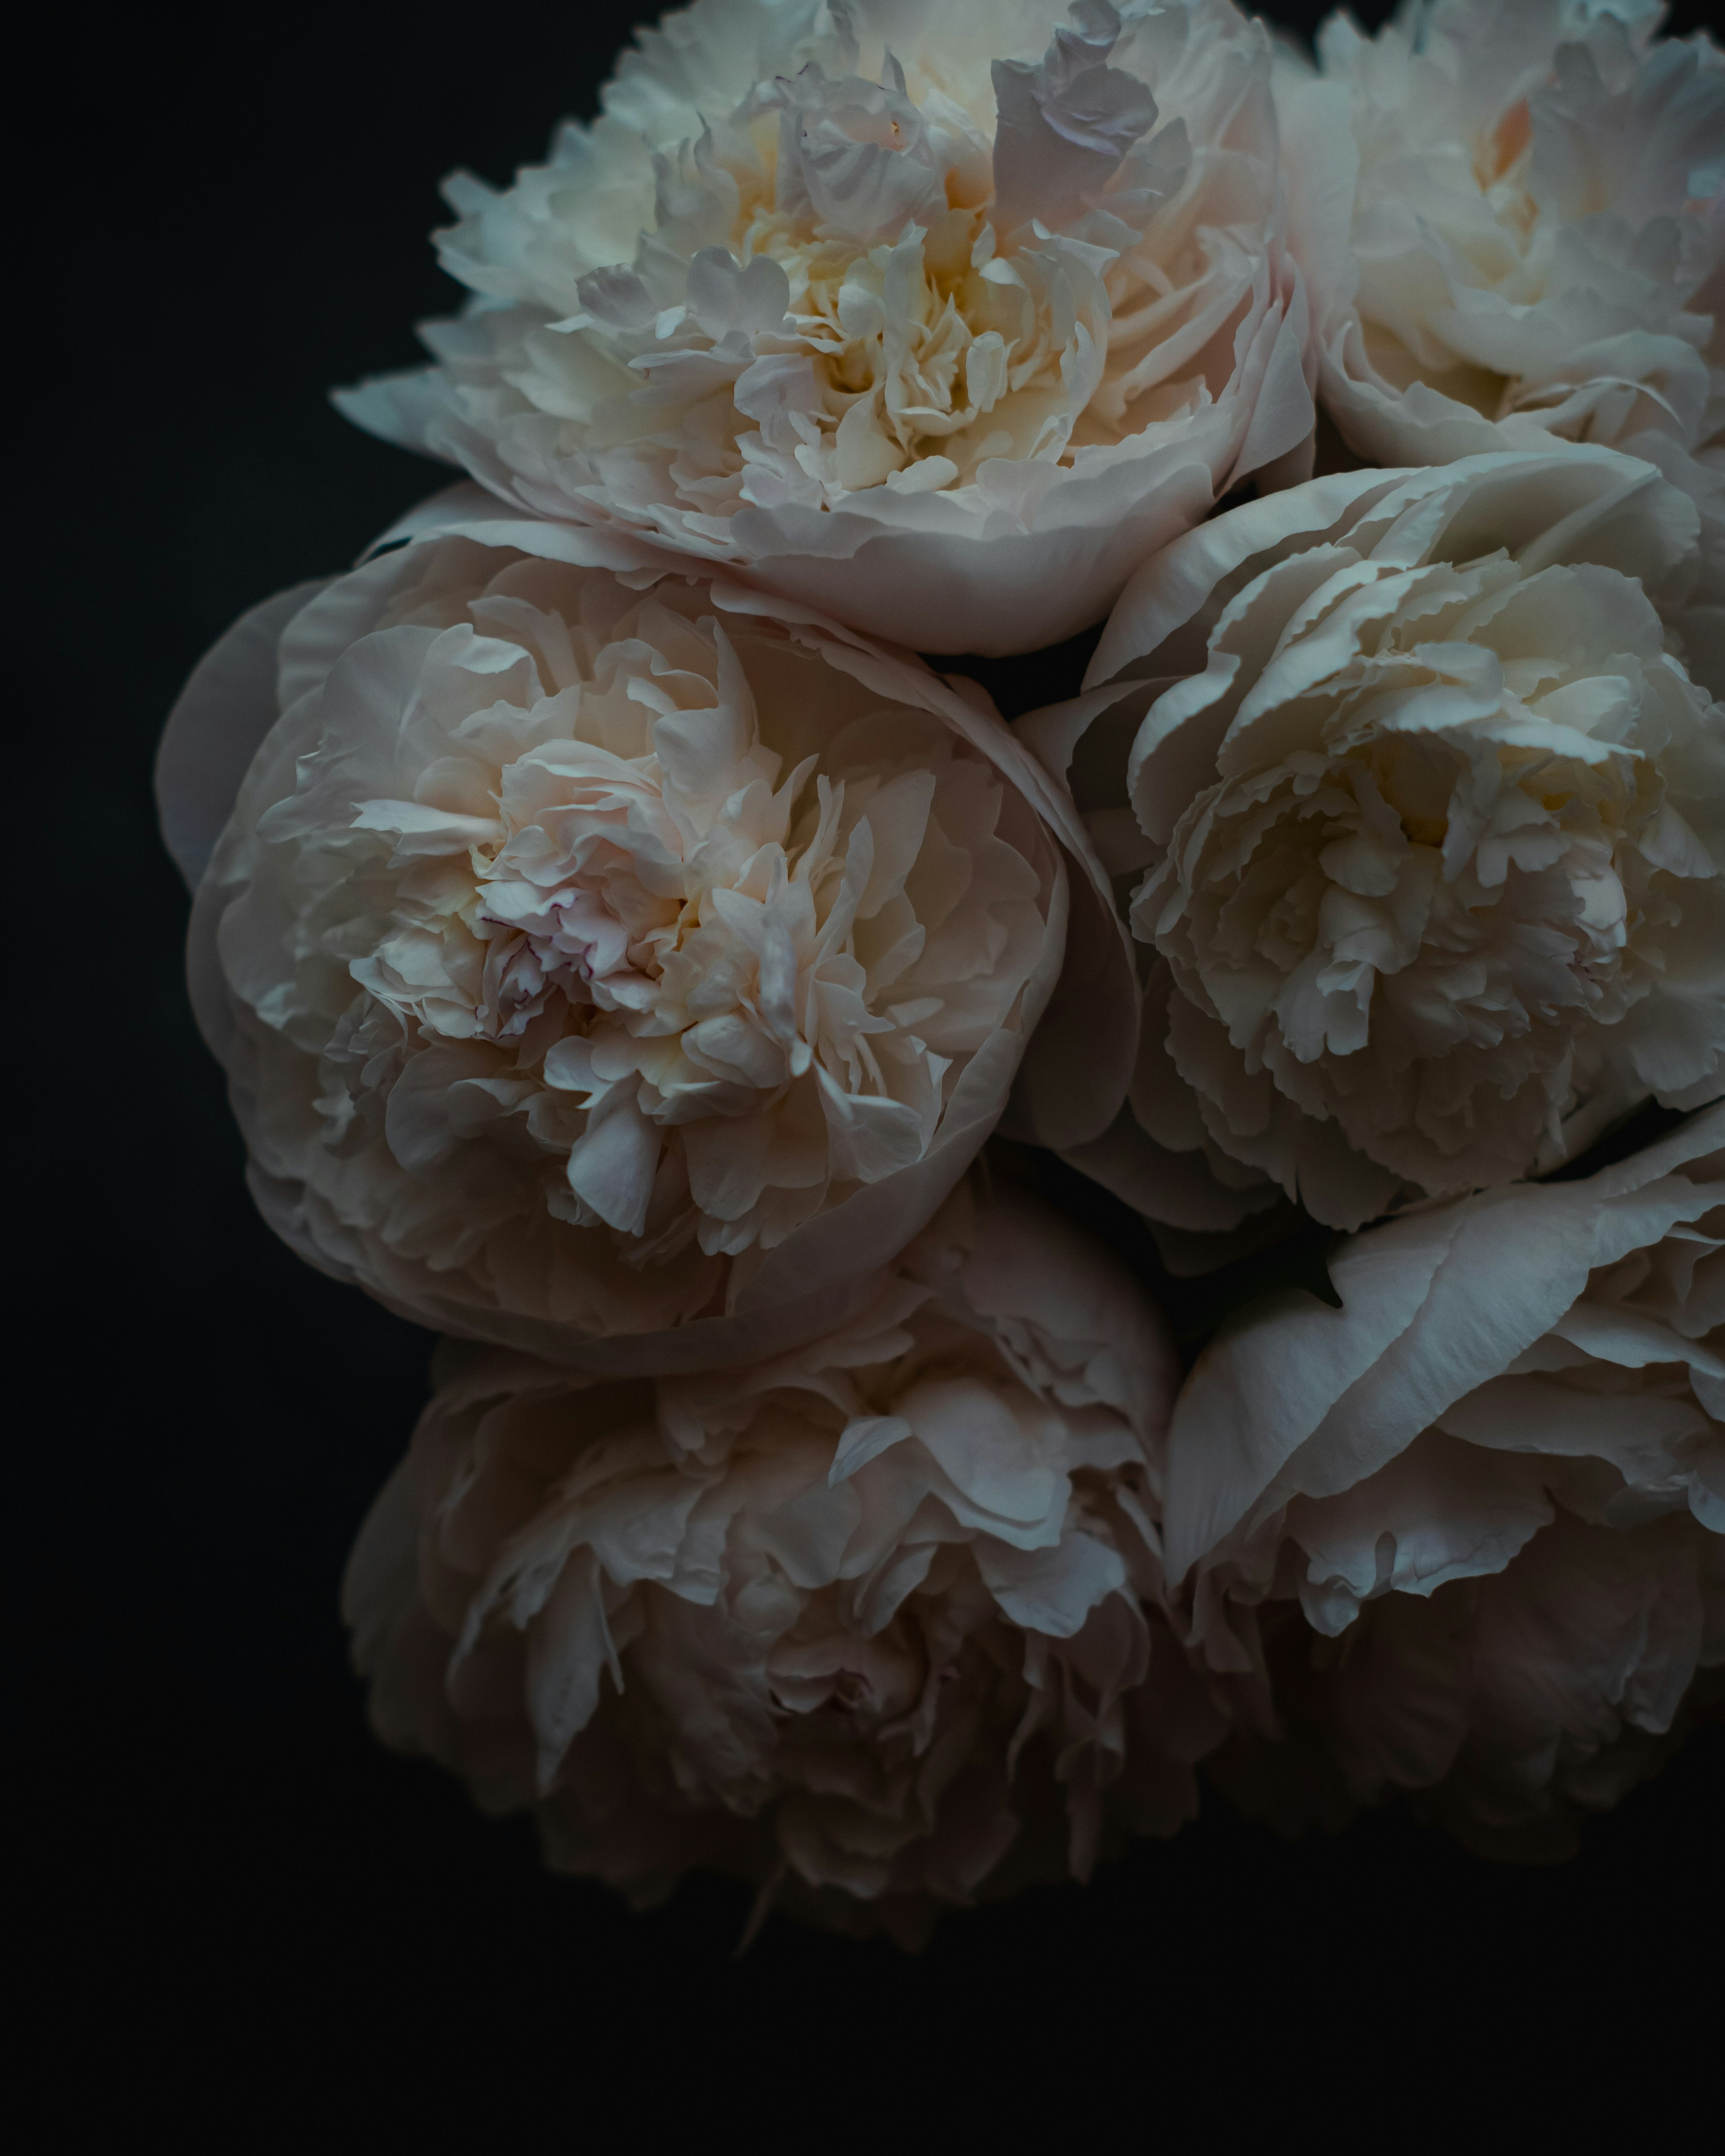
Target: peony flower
935	318
875	1624
1512	222
1473	1521
620	973
1435	819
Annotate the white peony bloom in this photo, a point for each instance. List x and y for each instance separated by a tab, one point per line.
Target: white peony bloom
874	1623
622	974
936	318
1472	1523
1512	223
1434	820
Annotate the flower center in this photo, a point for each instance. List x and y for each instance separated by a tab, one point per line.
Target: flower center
861	324
1499	146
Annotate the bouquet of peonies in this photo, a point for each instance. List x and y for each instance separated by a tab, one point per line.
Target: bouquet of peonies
633	960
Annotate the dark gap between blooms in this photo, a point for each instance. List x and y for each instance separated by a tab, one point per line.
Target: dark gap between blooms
1195	1306
1298	1258
1646	1127
1028	679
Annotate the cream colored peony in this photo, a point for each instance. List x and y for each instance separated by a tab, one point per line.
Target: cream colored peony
1471	1524
1435	819
876	1625
622	974
936	317
1512	222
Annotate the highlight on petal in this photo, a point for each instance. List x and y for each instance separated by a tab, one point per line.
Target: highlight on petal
937	319
877	1625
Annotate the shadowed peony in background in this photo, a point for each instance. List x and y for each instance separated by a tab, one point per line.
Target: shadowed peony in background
879	1625
634	958
1465	1534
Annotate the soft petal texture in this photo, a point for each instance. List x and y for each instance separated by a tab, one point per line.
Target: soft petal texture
1512	222
876	1624
611	968
936	318
1432	802
1470	1526
220	717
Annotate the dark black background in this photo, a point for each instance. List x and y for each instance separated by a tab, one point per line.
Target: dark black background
251	1919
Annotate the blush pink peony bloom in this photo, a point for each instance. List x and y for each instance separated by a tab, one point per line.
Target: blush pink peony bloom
1430	793
1470	1526
620	973
936	318
876	1625
1512	222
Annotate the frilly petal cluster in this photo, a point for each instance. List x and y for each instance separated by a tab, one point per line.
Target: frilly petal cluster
876	1624
1512	223
936	318
1433	809
622	974
1472	1523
